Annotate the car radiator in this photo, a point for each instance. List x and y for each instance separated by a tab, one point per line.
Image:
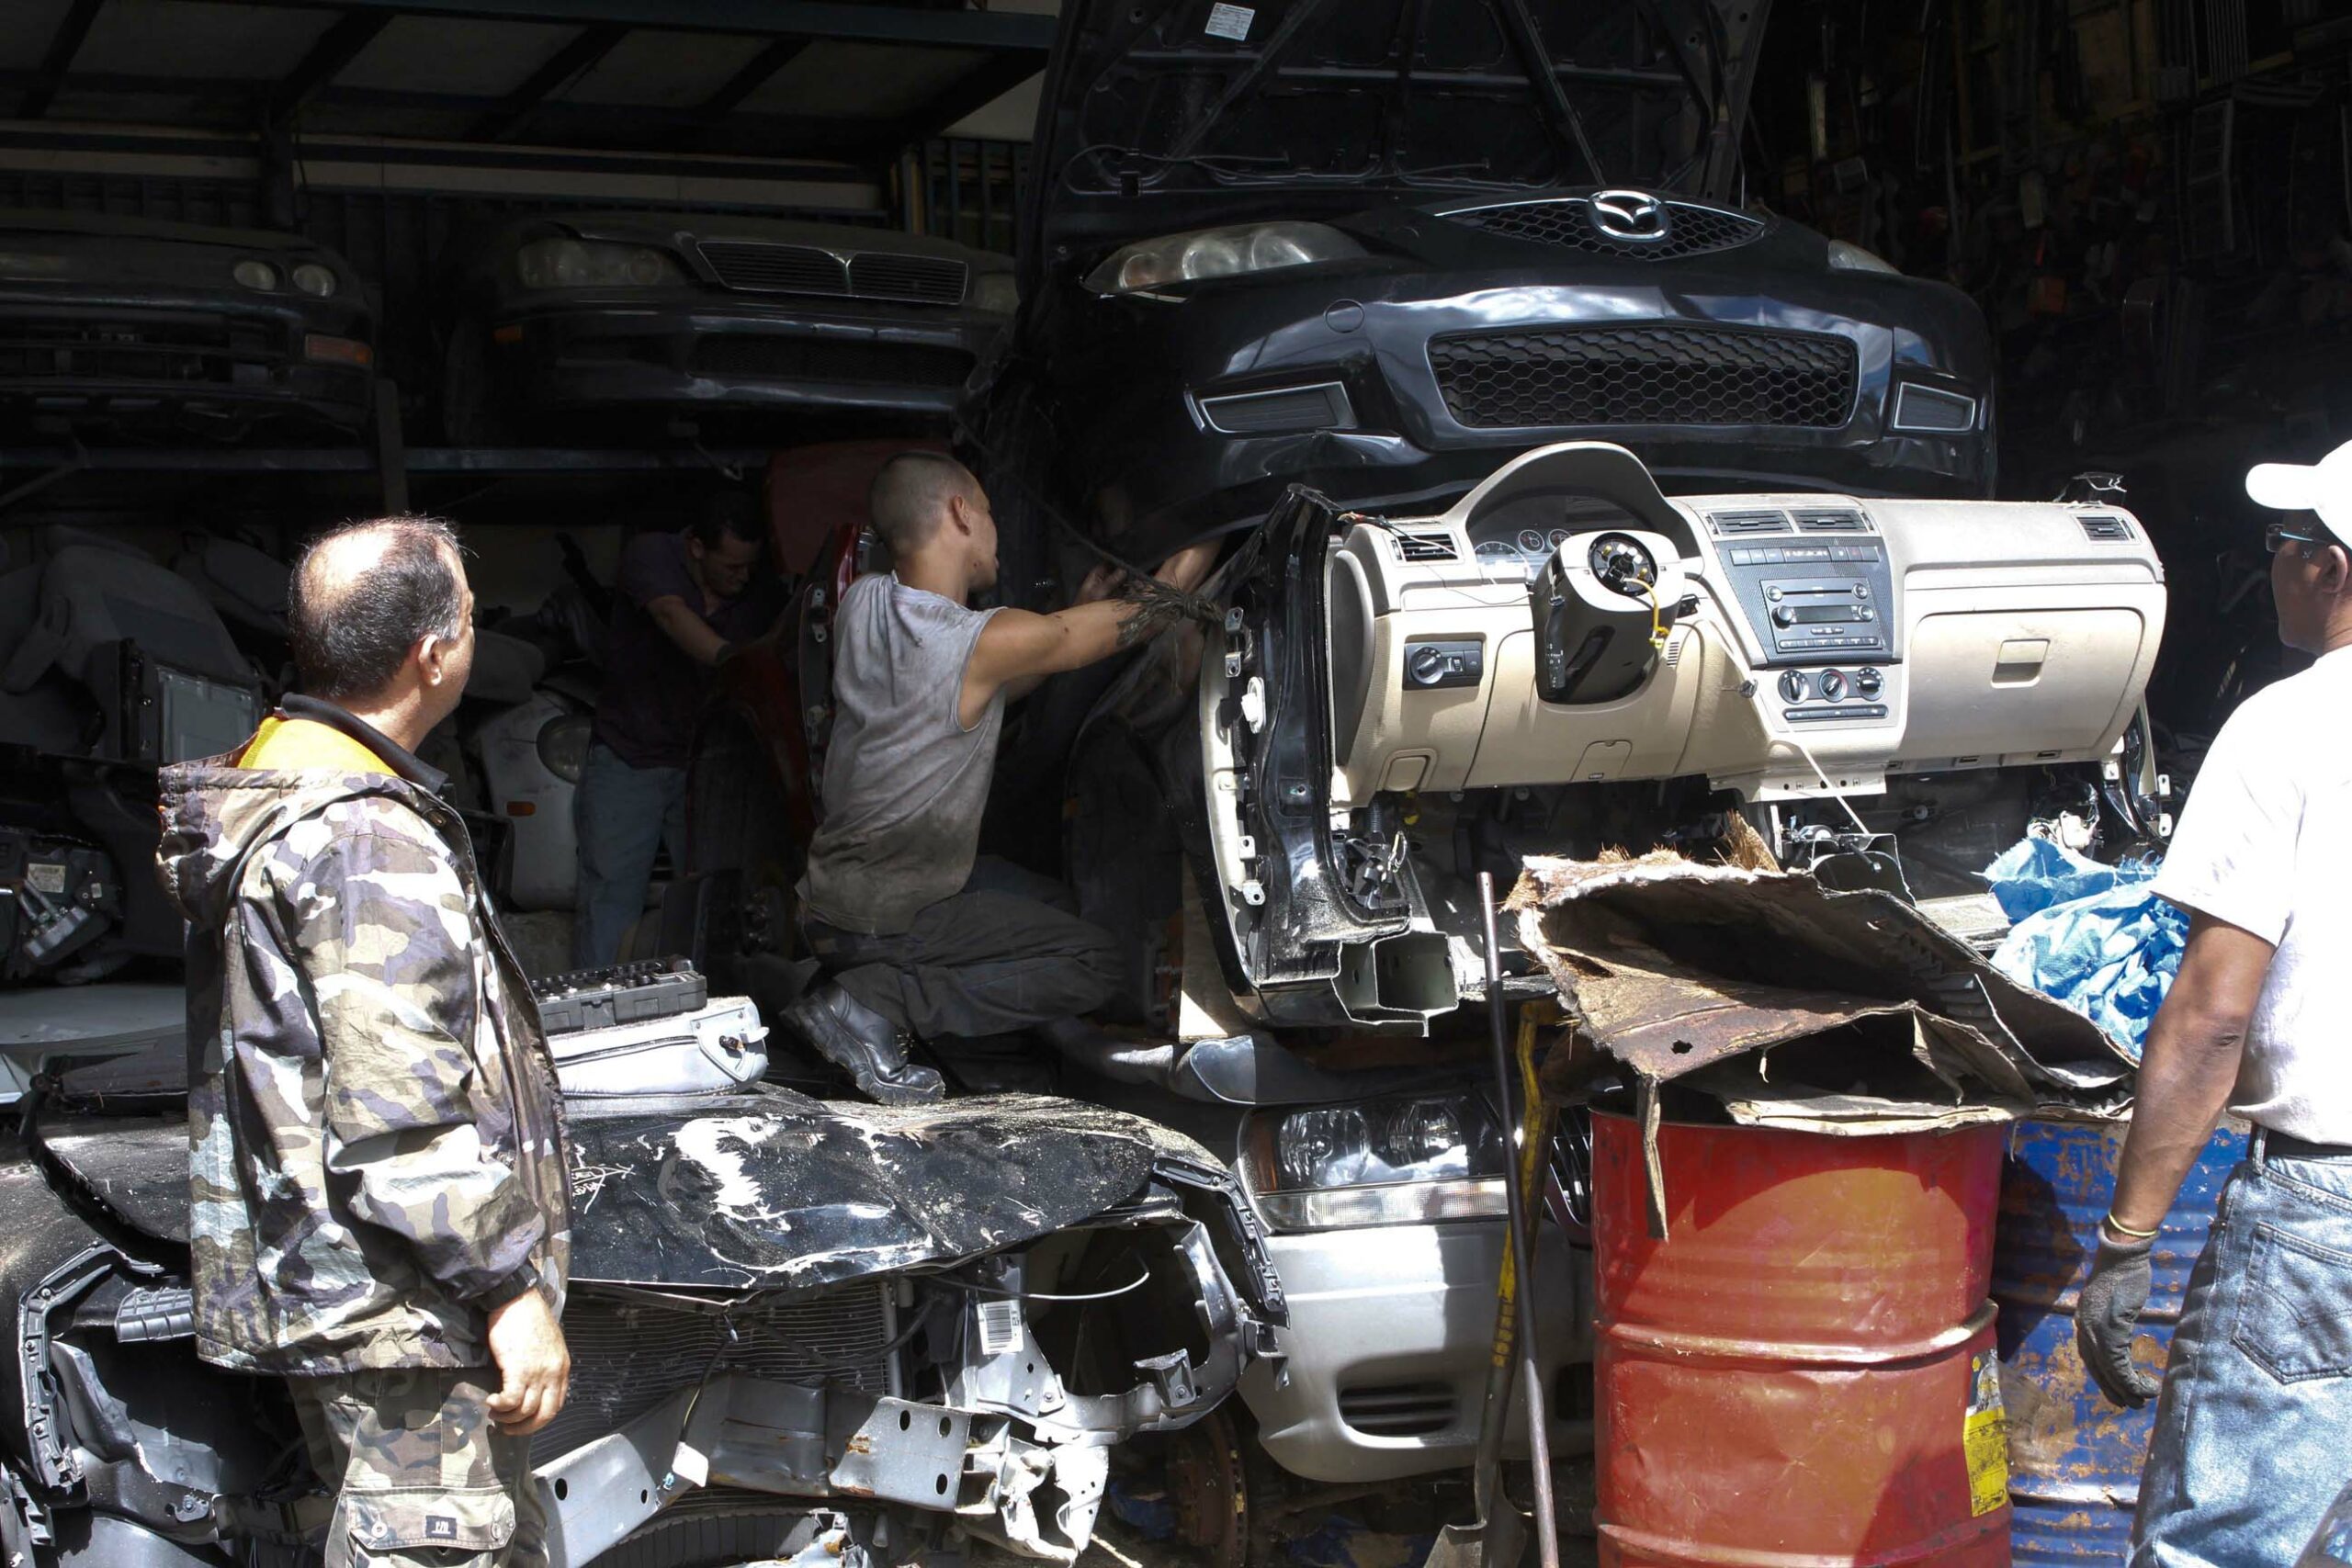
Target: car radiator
628	1354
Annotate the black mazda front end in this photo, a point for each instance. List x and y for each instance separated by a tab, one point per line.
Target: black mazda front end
1381	263
1417	348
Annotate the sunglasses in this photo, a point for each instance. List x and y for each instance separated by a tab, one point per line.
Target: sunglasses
2313	538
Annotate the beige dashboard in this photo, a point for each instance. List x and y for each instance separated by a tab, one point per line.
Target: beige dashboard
1815	641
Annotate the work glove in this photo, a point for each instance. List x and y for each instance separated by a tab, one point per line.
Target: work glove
2107	1317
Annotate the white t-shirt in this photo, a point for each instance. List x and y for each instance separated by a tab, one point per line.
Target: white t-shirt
2265	844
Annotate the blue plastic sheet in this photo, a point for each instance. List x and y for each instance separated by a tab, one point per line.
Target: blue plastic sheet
2093	936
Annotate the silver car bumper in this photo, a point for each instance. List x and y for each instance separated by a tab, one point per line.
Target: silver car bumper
1390	1329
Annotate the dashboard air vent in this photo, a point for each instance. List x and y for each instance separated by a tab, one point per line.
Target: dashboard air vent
1832	523
1733	525
2103	528
1426	546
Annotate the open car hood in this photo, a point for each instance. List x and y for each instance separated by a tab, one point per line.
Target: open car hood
766	1190
1170	114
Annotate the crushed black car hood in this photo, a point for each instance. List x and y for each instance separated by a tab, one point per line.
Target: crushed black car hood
766	1190
1170	115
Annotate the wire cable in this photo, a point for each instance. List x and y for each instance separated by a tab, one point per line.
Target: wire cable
1823	774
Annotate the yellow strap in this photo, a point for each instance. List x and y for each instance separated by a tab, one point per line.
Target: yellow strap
294	745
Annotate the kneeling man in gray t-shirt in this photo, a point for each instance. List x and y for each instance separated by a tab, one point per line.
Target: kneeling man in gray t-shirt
921	936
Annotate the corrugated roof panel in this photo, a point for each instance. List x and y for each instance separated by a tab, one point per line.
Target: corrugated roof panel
197	39
459	56
664	70
24	41
863	81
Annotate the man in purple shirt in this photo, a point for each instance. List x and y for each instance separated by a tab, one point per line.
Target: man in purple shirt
683	604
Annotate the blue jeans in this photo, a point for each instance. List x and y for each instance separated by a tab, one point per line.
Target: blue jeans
622	816
2254	1431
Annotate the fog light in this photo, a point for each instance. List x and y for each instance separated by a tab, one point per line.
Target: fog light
1932	411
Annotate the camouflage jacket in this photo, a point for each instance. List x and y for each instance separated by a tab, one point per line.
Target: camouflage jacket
377	1147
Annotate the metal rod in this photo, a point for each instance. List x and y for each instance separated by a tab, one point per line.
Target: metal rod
1547	1529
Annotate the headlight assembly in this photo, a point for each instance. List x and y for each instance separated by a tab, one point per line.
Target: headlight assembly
1220	253
258	276
1847	256
1434	1156
563	744
995	292
589	264
314	279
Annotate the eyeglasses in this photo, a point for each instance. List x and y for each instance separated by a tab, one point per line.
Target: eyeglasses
2313	538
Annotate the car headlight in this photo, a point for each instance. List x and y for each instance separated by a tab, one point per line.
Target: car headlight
1387	1162
256	274
589	264
995	292
313	278
1219	253
563	744
1847	256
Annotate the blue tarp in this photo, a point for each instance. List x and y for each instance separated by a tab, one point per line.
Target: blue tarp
2091	935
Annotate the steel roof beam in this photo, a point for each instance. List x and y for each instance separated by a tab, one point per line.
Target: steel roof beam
64	45
758	18
516	110
755	74
336	48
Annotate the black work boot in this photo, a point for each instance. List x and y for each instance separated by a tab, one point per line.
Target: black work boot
863	1044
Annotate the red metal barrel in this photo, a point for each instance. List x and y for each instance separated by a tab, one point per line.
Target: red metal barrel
1802	1371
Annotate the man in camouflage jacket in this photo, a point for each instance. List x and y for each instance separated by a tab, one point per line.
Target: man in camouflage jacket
377	1186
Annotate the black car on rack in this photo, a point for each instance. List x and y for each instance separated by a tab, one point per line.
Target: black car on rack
114	326
1379	250
711	318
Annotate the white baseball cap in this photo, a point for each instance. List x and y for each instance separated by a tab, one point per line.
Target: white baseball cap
2324	486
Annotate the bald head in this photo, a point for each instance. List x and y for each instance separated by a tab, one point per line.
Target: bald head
364	595
910	495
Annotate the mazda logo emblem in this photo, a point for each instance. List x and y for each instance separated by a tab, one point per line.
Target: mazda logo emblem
1629	217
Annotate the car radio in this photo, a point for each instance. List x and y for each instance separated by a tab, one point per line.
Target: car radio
1811	601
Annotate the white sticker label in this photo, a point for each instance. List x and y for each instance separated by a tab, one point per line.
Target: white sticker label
1230	21
1000	1327
45	876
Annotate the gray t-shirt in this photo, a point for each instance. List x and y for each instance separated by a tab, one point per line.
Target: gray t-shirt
905	782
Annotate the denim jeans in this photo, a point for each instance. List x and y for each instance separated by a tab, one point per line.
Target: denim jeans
2254	1429
622	816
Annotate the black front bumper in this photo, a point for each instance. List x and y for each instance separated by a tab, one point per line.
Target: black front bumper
848	356
191	359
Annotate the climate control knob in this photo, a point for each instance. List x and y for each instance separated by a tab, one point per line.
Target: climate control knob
1868	682
1795	687
1833	685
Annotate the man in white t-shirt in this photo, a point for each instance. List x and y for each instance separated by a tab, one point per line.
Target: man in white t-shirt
2254	1431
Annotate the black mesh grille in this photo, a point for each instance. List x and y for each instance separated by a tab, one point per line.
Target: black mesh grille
807	359
775	269
1690	230
920	280
628	1357
1583	376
